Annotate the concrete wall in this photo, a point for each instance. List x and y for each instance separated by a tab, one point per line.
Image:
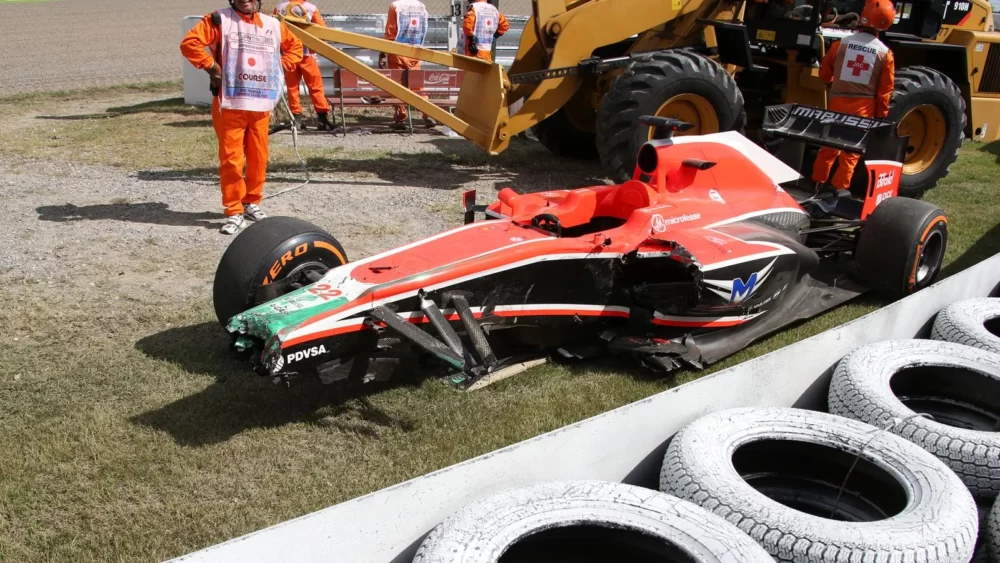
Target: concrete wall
626	444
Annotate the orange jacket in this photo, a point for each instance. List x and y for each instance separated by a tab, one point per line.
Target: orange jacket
886	80
469	24
316	19
204	34
391	31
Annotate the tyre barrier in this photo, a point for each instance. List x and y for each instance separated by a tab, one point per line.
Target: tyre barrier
970	322
942	396
586	521
905	467
810	486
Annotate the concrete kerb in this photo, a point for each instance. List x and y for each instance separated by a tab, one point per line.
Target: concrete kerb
625	444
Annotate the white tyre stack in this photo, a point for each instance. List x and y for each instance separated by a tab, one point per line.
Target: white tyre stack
586	521
778	474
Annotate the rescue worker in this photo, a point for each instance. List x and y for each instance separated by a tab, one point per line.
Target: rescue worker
406	23
483	24
244	72
861	73
307	69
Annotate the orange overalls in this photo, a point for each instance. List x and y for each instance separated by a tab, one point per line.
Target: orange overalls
309	67
242	134
405	23
483	23
861	71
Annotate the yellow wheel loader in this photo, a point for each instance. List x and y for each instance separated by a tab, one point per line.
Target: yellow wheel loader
587	69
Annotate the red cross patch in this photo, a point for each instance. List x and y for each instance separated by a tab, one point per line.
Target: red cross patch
858	65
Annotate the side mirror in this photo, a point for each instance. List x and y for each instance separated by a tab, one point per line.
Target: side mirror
665	125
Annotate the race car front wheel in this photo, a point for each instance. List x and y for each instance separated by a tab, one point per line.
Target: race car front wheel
901	246
278	254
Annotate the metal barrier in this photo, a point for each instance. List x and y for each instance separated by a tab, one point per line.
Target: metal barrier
439	27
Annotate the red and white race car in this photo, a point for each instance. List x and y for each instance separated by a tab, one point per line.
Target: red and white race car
708	248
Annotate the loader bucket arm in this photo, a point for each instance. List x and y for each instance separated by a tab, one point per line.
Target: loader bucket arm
481	110
569	32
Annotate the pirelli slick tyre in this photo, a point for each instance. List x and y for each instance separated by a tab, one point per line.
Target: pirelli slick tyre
277	249
814	487
901	247
972	322
930	109
674	83
583	522
887	384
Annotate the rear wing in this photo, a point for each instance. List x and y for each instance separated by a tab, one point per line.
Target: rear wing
876	139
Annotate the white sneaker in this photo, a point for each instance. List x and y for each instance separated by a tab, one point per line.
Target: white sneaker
233	225
253	212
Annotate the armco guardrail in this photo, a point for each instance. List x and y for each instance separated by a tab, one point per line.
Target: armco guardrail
626	444
438	30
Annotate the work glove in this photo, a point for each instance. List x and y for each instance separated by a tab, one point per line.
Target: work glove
497	35
215	78
473	48
383	62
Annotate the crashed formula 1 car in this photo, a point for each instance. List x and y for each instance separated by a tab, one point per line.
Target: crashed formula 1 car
709	247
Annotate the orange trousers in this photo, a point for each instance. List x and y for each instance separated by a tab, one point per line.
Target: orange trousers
309	70
864	107
242	143
396	62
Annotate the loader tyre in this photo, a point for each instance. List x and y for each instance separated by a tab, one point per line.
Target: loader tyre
901	247
888	383
565	138
674	83
812	487
271	251
929	108
583	522
972	322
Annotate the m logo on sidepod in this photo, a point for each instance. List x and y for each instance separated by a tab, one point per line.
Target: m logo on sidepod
737	291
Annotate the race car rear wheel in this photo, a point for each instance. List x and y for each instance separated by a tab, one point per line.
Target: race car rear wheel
901	246
677	84
276	249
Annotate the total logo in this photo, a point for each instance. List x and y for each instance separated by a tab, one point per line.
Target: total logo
885	179
737	291
304	354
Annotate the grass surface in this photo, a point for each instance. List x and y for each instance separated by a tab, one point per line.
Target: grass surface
150	442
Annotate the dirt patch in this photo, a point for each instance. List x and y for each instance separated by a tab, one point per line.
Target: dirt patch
112	194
